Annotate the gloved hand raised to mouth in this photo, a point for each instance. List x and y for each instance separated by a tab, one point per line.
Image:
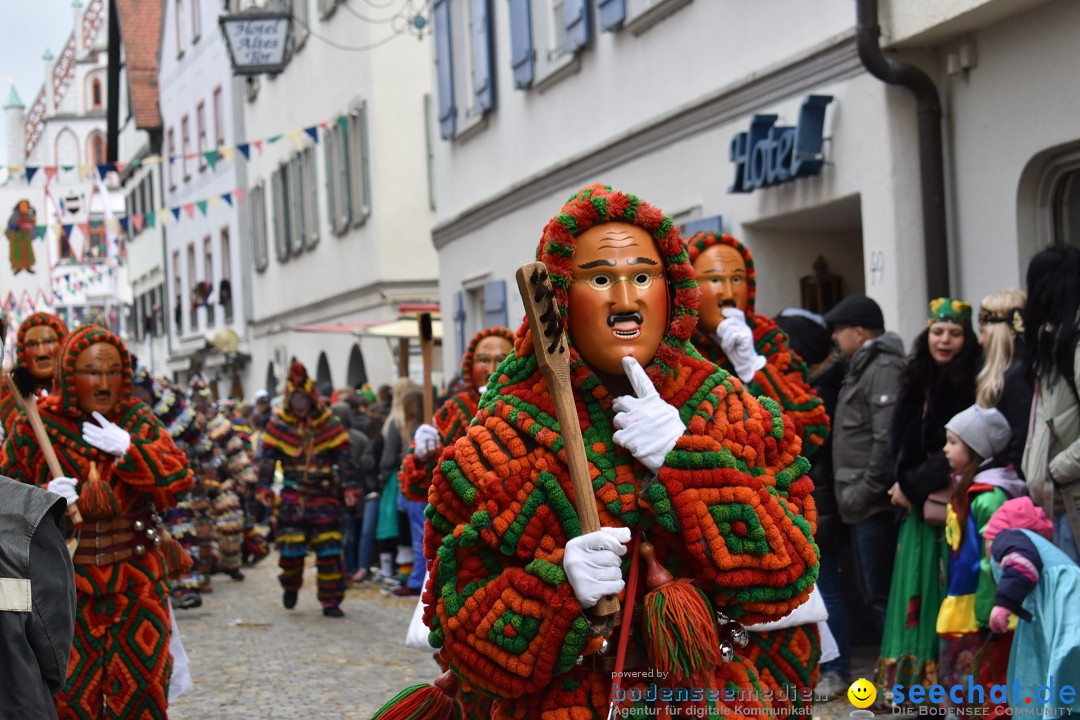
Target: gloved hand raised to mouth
646	425
737	341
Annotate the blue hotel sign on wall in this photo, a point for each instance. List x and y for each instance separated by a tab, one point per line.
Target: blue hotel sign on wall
769	154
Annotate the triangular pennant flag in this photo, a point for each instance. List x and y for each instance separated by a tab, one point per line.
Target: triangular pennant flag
151	219
201	204
67	229
325	124
297	136
67	168
84	170
273	139
226	153
102	170
124	224
96	223
227	197
245	150
120	167
313	131
39	231
84	228
239	194
151	160
30	172
50	172
343	121
162	217
175	213
211	158
111	224
258	146
214	201
137	220
190	210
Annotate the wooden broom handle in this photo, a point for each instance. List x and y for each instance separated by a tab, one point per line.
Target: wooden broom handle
552	356
426	341
30	410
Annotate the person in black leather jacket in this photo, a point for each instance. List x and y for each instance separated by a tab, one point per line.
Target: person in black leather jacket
37	601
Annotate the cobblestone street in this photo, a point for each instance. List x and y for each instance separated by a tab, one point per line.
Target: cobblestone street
251	658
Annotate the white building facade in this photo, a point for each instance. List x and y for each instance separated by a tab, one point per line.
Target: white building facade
683	101
339	204
56	161
135	118
201	172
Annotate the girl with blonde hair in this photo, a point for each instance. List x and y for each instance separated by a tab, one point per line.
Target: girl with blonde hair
1003	382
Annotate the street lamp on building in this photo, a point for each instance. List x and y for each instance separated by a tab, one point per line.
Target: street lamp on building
259	41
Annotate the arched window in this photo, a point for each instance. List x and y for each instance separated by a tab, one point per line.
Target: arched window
1066	209
357	374
97	94
67	149
322	374
97	149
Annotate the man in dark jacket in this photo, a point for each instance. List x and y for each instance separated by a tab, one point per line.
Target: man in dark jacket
37	601
862	468
365	467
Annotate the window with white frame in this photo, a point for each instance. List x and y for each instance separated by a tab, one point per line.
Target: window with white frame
225	286
196	21
465	71
279	188
359	166
259	241
219	118
309	196
171	160
208	277
185	146
200	126
180	27
546	37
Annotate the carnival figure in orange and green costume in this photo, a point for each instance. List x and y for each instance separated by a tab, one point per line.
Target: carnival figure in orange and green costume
120	663
676	450
20	235
754	347
37	343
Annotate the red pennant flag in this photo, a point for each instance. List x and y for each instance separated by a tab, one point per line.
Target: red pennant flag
258	146
190	210
137	220
239	195
84	228
119	167
50	172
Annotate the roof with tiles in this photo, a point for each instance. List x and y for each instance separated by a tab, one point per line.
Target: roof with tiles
140	28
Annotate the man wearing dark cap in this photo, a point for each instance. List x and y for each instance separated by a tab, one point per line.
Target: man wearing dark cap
862	469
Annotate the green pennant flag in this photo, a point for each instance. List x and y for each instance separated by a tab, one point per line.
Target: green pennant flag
151	218
343	121
211	158
273	139
39	231
202	207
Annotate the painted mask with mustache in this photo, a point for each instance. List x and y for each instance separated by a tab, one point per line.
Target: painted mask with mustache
618	297
721	275
98	378
40	345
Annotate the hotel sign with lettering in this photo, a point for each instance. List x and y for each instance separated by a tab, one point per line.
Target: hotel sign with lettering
769	154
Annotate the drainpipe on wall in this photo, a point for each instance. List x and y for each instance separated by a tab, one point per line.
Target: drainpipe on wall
931	163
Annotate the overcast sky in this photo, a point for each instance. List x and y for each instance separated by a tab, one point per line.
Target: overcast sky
30	27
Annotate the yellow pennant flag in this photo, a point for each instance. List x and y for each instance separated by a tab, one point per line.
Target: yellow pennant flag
152	160
214	201
297	136
227	153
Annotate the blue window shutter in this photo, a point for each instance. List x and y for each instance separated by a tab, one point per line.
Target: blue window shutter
483	75
522	57
459	319
444	65
576	20
714	224
612	14
495	303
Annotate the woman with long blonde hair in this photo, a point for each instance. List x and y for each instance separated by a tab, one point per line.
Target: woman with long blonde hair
1003	382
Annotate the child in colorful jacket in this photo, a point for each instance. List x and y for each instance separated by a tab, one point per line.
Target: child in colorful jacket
675	448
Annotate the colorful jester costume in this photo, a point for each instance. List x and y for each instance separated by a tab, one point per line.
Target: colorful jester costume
730	508
316	464
786	659
9	411
120	663
451	420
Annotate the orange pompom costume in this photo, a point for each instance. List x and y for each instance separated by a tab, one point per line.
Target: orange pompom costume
120	663
730	508
787	660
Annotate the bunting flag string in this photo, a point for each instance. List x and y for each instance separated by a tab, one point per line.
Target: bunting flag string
211	157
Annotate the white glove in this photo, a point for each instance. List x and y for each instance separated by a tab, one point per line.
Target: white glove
427	441
3	435
106	436
737	341
646	425
592	564
65	488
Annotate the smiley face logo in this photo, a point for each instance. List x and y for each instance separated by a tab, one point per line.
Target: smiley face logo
862	693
